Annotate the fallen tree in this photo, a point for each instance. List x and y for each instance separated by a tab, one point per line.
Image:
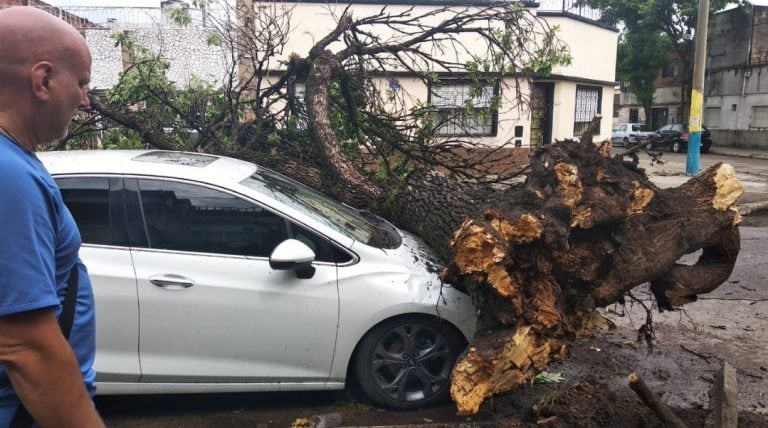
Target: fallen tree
581	233
538	258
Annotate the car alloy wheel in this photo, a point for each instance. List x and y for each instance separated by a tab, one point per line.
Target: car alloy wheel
676	147
406	362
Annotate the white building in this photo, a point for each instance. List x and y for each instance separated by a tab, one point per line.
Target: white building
561	105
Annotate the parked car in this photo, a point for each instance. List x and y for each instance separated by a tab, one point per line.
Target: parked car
213	275
624	134
674	137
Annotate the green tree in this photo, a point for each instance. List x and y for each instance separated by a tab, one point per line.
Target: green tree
667	25
640	55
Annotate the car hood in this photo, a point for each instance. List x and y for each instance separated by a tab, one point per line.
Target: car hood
414	251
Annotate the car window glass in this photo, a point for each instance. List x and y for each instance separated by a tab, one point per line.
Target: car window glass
324	250
186	217
665	128
343	219
677	128
87	198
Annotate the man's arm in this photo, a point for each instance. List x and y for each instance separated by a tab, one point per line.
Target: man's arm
43	370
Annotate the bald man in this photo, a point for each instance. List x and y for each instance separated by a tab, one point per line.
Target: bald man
44	74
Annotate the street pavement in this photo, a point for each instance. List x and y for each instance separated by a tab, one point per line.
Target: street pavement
751	169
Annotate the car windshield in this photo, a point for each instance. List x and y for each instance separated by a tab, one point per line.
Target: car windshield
358	225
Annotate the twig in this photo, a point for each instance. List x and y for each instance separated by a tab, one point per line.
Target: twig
753	376
659	408
702	356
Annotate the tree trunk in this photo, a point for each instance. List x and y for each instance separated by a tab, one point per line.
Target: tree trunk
581	232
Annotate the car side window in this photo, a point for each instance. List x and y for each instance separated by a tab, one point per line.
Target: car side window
677	128
665	128
88	199
324	250
188	217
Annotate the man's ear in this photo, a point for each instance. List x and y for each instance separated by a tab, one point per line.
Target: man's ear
41	79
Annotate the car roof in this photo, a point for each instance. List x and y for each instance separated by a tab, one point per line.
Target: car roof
209	169
159	163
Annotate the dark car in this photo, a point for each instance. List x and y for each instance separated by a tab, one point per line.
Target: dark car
674	137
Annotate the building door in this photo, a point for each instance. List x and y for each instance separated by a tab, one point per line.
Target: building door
659	117
542	98
633	115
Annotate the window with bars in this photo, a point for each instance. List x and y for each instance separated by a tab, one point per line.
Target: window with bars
464	109
759	117
588	101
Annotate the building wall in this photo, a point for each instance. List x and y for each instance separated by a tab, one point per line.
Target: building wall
187	50
593	49
740	84
412	91
759	48
728	41
740	91
564	112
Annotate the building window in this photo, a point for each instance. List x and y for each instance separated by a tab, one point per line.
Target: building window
759	117
712	117
464	109
668	71
588	101
298	105
634	115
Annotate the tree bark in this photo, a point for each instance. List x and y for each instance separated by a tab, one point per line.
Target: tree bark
581	232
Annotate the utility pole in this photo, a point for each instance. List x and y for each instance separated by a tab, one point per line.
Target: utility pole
692	165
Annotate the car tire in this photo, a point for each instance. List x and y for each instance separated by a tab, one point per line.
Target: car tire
649	146
405	363
676	146
625	141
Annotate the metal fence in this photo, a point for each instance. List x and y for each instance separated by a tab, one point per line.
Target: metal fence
575	7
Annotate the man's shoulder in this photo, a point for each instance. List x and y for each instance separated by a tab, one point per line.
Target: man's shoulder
16	162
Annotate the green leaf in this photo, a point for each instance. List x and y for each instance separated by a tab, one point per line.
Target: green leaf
548	377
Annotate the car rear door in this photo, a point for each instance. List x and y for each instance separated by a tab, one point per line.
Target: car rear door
96	203
212	309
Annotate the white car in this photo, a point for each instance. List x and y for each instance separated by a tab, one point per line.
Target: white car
213	275
625	133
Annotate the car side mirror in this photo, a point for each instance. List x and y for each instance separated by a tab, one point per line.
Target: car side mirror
295	255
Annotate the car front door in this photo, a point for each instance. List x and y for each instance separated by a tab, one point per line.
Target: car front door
96	203
212	309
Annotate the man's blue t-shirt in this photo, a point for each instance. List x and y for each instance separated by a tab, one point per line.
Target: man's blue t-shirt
39	245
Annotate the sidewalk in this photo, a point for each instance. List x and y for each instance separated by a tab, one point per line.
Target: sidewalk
740	153
672	174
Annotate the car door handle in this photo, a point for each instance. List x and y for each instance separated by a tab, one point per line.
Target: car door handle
171	281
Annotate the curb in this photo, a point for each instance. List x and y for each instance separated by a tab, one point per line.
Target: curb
738	154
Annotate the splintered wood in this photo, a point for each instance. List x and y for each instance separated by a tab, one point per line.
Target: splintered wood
582	231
